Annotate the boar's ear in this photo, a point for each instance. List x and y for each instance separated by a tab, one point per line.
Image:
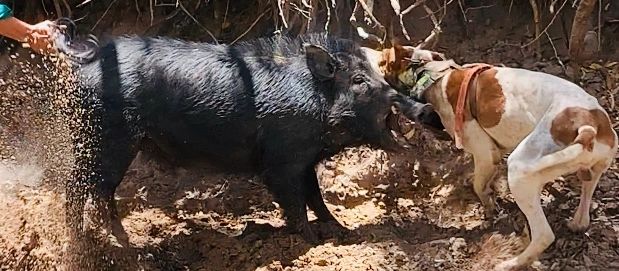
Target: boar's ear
320	62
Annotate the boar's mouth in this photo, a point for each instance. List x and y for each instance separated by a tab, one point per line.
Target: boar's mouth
400	127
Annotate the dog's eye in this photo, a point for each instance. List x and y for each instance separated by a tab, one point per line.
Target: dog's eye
358	79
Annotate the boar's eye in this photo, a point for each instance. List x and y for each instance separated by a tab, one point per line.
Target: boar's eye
358	79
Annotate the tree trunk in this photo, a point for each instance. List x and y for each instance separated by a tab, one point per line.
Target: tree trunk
579	27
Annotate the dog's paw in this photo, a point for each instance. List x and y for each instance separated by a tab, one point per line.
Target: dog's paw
508	265
577	226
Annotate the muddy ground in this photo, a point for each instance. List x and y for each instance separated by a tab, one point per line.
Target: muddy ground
407	211
413	211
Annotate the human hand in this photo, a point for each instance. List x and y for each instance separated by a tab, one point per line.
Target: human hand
40	37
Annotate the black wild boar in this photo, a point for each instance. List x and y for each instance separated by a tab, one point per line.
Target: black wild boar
273	106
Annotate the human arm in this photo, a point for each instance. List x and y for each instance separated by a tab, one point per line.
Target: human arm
38	36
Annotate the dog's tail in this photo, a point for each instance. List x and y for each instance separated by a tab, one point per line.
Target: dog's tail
585	137
582	143
77	49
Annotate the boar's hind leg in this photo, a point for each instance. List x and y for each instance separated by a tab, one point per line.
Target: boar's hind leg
108	149
285	180
314	198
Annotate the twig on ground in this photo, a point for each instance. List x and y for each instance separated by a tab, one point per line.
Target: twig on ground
536	20
104	13
137	9
223	23
433	37
611	95
329	8
83	3
152	12
478	7
462	10
445	3
45	8
554	49
361	32
304	13
58	9
251	26
414	5
432	17
546	28
180	4
395	4
370	15
281	12
68	7
441	8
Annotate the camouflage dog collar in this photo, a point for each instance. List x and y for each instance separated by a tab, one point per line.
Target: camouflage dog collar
417	80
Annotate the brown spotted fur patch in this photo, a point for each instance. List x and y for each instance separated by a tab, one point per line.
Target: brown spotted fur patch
490	99
564	129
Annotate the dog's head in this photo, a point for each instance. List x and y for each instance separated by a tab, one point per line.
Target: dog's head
392	62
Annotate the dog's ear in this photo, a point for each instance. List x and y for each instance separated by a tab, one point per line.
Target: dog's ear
402	57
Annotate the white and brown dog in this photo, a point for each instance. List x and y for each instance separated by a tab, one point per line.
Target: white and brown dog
551	127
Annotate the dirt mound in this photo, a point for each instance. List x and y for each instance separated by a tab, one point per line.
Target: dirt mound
32	223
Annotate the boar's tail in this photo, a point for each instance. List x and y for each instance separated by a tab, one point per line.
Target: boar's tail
77	50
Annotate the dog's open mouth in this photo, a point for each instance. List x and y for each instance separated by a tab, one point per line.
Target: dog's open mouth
400	127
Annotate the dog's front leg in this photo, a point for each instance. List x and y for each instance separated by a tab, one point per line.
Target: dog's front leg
486	156
485	169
